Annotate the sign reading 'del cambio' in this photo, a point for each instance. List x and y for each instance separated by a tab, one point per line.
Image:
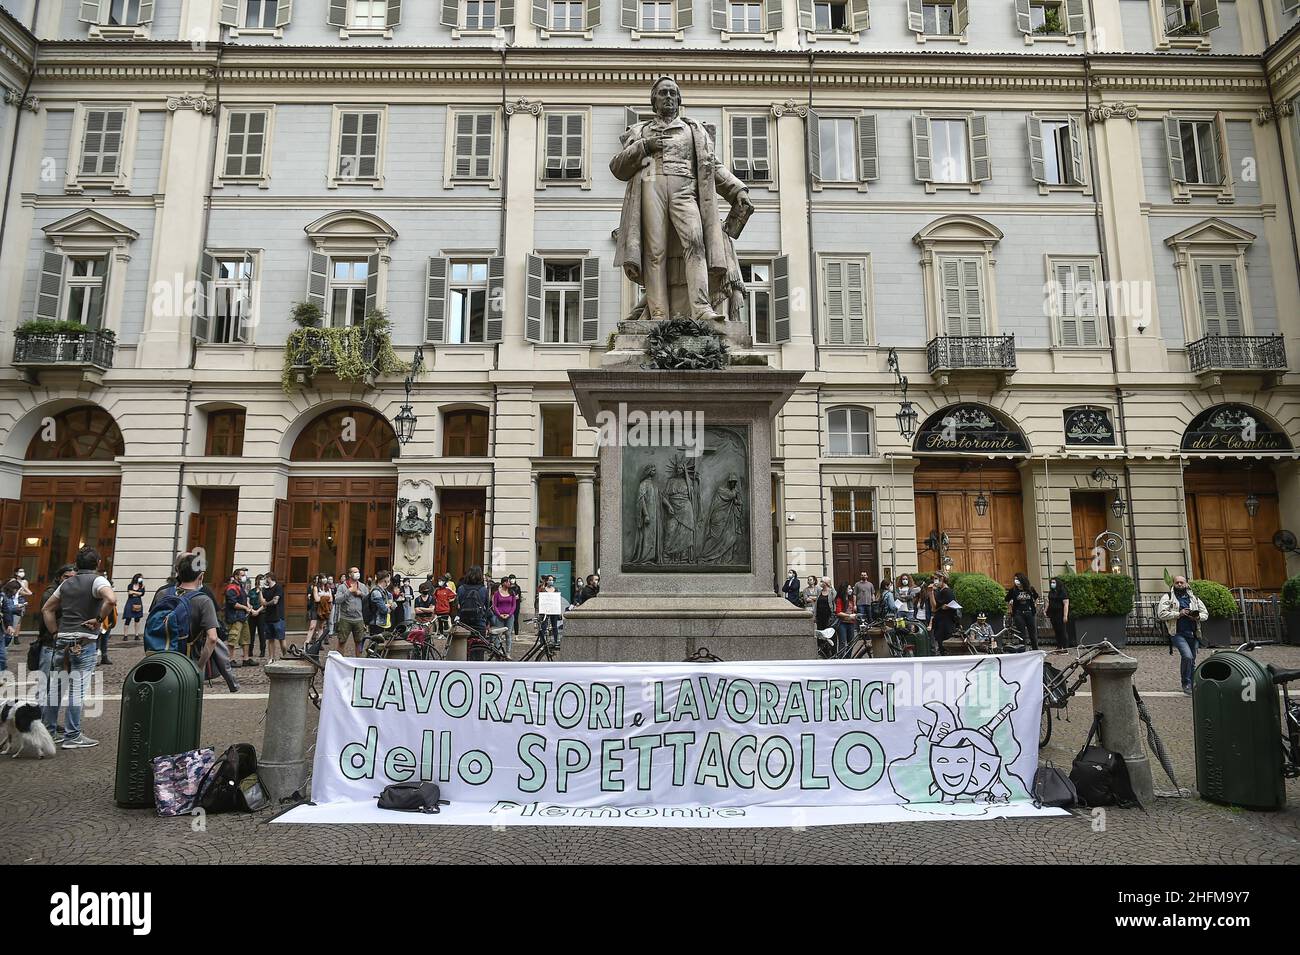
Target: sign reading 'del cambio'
569	742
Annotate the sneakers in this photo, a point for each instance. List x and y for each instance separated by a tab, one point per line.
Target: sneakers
80	741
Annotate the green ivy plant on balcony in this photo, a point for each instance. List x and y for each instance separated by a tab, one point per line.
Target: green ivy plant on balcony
351	354
1051	23
46	327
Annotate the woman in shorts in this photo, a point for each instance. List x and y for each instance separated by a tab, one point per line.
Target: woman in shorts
134	612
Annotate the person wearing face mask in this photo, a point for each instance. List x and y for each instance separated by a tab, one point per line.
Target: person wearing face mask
1022	608
1058	612
237	610
791	589
20	600
1183	613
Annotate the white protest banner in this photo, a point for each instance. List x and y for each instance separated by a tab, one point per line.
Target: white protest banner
677	743
550	604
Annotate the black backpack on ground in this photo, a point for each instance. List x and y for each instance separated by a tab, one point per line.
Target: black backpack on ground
220	789
412	797
1101	776
1053	788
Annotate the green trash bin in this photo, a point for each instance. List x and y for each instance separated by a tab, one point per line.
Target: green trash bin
162	710
922	642
1236	730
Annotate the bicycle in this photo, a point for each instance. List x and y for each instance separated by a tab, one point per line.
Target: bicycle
1060	685
1290	710
828	647
542	649
488	642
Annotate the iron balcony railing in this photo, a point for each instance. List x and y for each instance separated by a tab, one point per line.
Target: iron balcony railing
36	349
972	353
1237	353
316	344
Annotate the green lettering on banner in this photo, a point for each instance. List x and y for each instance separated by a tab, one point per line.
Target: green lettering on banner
536	777
444	756
569	720
489	691
399	764
645	747
769	695
543	690
745	691
744	778
661	714
870	705
808	778
839	700
679	742
598	715
687	702
817	690
566	767
365	751
846	774
475	767
795	705
359	699
426	756
422	692
712	692
712	764
519	703
390	691
456	678
610	760
855	700
620	701
771	745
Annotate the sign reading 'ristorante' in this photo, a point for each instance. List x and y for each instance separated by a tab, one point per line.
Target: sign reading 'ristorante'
969	428
1233	428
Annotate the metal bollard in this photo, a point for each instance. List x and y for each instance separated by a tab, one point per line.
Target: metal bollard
1111	675
283	761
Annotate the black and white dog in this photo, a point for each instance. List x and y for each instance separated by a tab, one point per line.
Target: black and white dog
22	731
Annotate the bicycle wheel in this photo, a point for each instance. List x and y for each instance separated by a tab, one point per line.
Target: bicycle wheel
1045	726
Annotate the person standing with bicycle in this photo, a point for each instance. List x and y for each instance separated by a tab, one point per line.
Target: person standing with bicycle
472	604
1022	608
504	606
1183	613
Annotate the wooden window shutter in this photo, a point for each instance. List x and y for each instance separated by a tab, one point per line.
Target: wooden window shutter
1023	21
435	299
318	279
868	161
201	327
1037	163
496	299
981	166
372	282
50	289
833	277
1174	150
533	297
590	299
922	167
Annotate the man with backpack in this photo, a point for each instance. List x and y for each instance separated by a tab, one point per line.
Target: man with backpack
379	607
349	605
1182	613
183	616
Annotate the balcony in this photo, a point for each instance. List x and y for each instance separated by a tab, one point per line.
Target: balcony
349	354
90	351
984	354
1215	355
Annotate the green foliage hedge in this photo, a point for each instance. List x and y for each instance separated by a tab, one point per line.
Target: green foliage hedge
977	593
1216	597
42	327
1099	595
1291	595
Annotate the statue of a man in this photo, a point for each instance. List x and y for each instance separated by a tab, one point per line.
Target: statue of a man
673	182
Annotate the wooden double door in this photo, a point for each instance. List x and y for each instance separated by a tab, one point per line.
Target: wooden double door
853	555
328	525
1228	545
1088	520
992	544
213	528
458	530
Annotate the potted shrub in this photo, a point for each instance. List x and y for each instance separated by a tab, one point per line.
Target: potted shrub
307	315
1217	630
354	353
979	593
1291	609
1099	605
44	327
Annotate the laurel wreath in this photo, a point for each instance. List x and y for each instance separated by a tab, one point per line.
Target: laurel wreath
666	350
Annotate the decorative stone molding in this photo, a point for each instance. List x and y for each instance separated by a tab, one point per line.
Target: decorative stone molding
195	101
790	106
522	105
1099	114
1269	113
15	98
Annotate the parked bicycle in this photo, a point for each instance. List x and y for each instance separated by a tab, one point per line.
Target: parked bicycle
1290	710
1060	685
542	649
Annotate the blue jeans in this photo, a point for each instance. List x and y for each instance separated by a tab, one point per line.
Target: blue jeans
845	633
549	622
1186	647
500	621
4	651
864	613
74	683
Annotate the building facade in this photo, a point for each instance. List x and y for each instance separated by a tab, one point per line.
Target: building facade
1072	223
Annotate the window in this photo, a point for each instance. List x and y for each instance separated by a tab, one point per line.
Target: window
833	17
1072	298
750	148
232	298
951	150
480	14
124	13
1062	19
472	146
369	14
86	279
246	133
944	18
347	291
940	18
746	17
1046	18
564	147
830	17
261	14
853	511
119	17
1218	296
961	295
225	433
557	431
1189	18
465	434
850	431
657	16
567	16
359	146
842	149
838	159
1055	150
467	302
101	142
1194	151
844	300
757	277
562	303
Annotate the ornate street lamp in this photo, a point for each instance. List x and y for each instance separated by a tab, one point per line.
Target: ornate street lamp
1119	506
1252	504
405	422
906	416
981	502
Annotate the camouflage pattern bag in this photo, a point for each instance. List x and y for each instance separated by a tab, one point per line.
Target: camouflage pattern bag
177	779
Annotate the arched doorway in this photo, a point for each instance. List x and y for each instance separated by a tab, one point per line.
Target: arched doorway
62	508
337	517
1229	544
956	480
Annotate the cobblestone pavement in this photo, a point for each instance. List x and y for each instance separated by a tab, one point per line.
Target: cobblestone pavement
61	811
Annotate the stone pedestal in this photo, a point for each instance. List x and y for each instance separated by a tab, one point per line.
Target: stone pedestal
282	764
1111	676
665	610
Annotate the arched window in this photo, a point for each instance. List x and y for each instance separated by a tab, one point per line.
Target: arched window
226	433
465	434
346	434
86	433
850	430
